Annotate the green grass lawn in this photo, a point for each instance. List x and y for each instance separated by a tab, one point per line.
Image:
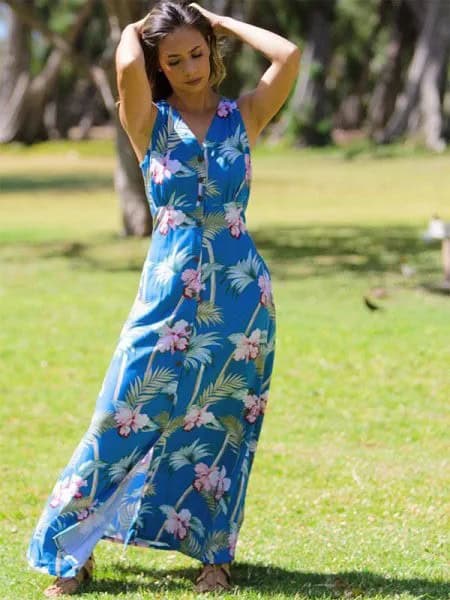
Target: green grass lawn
349	493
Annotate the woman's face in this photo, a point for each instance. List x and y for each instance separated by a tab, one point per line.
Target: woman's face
184	59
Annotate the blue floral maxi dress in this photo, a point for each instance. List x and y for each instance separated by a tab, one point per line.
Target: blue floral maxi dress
167	456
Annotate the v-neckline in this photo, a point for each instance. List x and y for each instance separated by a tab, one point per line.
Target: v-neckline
208	131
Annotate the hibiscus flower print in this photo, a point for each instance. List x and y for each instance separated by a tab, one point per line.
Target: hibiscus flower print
130	420
232	541
174	338
248	167
233	217
265	285
169	218
255	406
247	348
196	417
193	283
211	479
178	523
66	490
225	108
162	167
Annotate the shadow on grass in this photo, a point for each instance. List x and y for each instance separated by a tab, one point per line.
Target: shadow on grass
268	580
289	251
34	183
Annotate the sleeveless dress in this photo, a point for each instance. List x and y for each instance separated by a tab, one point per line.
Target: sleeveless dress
166	459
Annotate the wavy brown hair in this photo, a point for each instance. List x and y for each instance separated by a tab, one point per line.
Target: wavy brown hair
164	18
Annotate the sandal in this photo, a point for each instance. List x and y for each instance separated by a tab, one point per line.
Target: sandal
70	585
214	577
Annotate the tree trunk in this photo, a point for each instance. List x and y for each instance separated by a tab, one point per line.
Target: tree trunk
23	114
14	78
128	180
307	107
403	35
431	48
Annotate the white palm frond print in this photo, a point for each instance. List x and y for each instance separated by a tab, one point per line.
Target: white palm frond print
141	390
198	352
233	146
172	264
227	386
214	542
208	314
189	455
118	470
213	224
243	273
101	421
209	268
191	547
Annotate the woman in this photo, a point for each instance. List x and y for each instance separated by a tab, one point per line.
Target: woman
166	460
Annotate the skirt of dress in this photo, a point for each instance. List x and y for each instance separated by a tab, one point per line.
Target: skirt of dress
166	459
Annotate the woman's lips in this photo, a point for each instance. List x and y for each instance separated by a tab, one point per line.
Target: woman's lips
194	81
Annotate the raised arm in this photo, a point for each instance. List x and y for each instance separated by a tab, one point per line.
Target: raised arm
137	112
260	105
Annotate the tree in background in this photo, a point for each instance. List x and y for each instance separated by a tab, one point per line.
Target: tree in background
377	67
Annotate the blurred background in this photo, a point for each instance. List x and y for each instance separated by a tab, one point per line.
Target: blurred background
350	207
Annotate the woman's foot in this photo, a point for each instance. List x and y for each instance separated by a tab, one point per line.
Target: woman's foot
214	578
70	585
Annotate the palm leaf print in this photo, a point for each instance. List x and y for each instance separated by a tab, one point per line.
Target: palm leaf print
198	352
197	526
243	273
211	188
87	468
149	489
235	430
208	314
117	471
231	148
188	455
213	223
191	546
179	202
174	263
230	386
171	426
143	390
209	268
216	541
101	421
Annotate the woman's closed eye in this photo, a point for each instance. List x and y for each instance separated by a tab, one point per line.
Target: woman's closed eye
173	64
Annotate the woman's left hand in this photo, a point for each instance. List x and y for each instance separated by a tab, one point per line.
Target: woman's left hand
215	19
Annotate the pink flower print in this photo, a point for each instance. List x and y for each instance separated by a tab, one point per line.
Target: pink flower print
248	167
174	338
67	490
163	166
255	406
225	108
170	218
211	480
265	286
192	279
196	417
248	347
219	482
235	222
130	420
232	541
178	523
